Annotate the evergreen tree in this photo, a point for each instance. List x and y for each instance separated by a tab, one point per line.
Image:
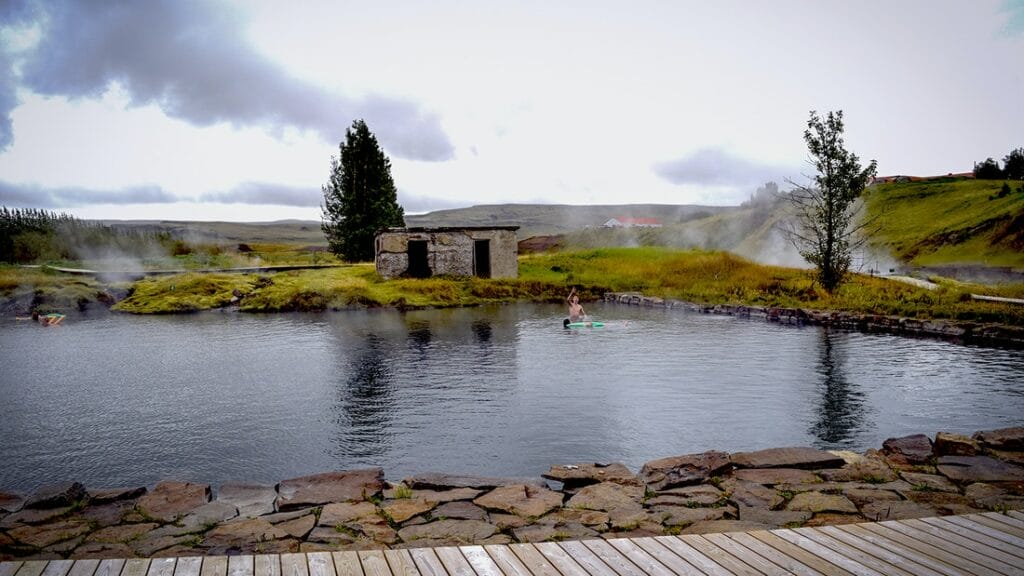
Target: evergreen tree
827	230
1013	164
360	199
987	170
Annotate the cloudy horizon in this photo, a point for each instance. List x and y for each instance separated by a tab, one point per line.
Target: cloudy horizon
232	109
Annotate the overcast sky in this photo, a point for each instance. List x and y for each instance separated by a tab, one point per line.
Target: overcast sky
231	110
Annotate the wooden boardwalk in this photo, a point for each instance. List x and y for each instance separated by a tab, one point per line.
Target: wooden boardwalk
973	544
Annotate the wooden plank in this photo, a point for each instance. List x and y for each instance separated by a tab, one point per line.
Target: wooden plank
693	556
479	560
665	556
161	567
1016	514
533	560
58	568
509	563
242	565
400	562
135	567
320	564
590	562
898	547
347	564
454	562
374	563
267	565
293	564
853	559
32	568
647	563
427	562
9	568
560	559
736	550
214	566
941	552
1004	522
789	564
188	566
980	533
925	532
822	563
110	567
87	567
612	557
885	553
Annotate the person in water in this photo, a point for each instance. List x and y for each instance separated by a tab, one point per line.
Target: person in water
576	313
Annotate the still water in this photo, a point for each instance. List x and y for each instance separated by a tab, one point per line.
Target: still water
125	400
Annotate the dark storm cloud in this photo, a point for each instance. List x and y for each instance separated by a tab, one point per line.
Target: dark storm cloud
190	59
267	193
715	167
32	196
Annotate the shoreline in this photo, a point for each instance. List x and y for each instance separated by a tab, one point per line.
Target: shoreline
910	477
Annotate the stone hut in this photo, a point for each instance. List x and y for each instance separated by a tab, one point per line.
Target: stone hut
484	251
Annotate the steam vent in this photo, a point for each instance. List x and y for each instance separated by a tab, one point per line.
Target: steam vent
484	251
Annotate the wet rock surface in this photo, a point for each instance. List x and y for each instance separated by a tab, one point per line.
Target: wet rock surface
687	494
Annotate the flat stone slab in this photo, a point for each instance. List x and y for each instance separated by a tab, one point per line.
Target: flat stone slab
464	531
209	514
577	475
521	500
243	531
718	526
607	497
43	536
251	499
796	457
405	508
821	502
967	469
171	500
773	518
107	495
57	496
1002	439
681	516
340	513
348	486
914	449
686	470
749	494
896	510
442	496
929	481
459	511
773	476
950	444
436	481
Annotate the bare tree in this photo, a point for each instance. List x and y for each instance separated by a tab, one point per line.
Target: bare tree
828	224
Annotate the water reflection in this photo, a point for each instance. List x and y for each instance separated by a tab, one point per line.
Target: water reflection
841	408
365	399
482	331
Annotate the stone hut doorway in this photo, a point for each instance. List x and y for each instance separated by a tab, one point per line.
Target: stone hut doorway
419	267
482	258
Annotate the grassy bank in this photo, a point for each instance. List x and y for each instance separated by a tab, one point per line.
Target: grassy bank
691	275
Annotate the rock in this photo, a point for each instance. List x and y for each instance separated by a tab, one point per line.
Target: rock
344	512
774	519
459	511
896	510
861	496
325	535
685	470
287	516
607	497
579	475
991	497
908	450
874	470
449	481
149	546
251	499
680	516
403	509
521	500
748	494
821	502
442	496
1007	456
506	521
102	550
1011	439
240	532
11	502
716	526
376	529
107	495
462	531
929	482
773	476
944	502
968	469
171	500
570	515
209	514
350	486
701	495
48	534
553	532
32	516
57	496
949	444
122	533
107	514
797	457
829	519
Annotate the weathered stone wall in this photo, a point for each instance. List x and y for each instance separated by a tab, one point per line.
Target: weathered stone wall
449	251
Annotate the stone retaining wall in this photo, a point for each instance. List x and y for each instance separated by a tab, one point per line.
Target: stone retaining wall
990	334
714	491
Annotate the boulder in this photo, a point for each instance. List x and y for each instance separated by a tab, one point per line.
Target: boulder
949	444
574	476
968	469
908	450
459	511
687	470
794	457
461	531
1011	439
435	481
751	495
56	496
171	500
773	476
349	486
251	499
299	527
521	500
